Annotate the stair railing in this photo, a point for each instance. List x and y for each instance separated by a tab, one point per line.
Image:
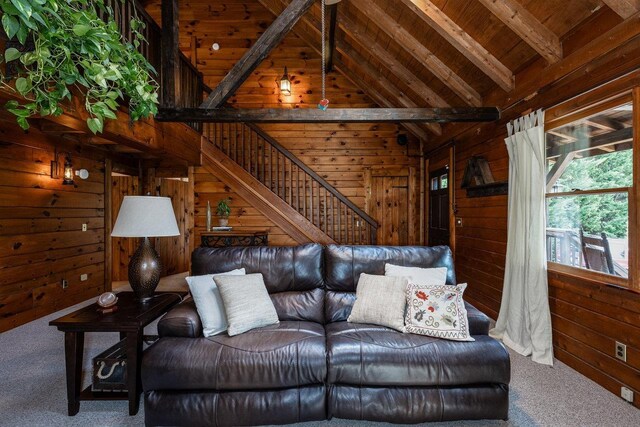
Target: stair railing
293	181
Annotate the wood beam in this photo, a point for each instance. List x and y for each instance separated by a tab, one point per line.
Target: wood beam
331	48
392	95
558	168
305	29
416	49
170	53
258	52
527	27
463	42
611	138
380	53
383	101
332	115
624	8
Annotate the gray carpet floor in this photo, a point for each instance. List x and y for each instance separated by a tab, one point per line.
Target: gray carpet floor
32	389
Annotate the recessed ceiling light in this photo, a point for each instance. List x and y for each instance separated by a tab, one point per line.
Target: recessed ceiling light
215	46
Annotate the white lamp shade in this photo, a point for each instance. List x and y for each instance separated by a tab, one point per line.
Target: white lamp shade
145	216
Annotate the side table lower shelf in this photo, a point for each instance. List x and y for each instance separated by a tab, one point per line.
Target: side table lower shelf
88	394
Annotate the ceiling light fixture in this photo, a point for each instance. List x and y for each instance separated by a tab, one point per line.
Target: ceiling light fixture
285	83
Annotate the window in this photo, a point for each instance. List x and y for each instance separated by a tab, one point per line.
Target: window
444	181
435	184
589	187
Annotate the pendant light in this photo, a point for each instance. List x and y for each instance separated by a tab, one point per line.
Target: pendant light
285	83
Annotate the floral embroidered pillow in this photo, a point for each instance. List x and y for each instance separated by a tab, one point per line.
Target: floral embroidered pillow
437	311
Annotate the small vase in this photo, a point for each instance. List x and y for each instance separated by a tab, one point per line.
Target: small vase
208	216
224	222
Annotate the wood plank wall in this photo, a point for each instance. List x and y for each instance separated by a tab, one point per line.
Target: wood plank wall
122	248
208	188
175	252
41	237
338	152
587	317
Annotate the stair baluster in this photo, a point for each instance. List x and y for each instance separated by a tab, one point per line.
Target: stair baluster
293	182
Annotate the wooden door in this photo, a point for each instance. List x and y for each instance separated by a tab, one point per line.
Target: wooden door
439	207
390	200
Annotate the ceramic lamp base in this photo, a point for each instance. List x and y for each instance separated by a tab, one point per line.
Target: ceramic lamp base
144	271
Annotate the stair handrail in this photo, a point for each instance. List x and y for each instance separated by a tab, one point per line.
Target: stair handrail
299	163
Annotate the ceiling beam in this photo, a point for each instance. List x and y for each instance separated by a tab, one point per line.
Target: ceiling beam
527	27
332	115
416	49
615	137
624	8
258	52
305	29
331	48
380	53
386	94
463	42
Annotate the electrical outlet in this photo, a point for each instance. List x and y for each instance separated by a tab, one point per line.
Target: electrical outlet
83	277
621	351
65	284
84	227
627	394
458	222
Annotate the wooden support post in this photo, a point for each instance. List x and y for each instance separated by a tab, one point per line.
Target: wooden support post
170	54
558	168
258	52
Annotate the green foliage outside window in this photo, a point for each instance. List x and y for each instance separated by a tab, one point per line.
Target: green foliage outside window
75	49
607	212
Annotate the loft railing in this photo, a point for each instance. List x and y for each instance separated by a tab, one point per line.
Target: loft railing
190	79
293	181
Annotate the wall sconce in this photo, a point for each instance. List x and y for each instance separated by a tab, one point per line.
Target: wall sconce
285	83
68	172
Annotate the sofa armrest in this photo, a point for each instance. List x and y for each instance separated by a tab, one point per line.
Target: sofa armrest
479	323
181	321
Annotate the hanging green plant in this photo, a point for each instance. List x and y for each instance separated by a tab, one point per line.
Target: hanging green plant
75	49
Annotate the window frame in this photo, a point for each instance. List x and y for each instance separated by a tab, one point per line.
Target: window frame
579	108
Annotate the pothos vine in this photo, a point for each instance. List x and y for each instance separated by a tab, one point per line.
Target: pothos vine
74	51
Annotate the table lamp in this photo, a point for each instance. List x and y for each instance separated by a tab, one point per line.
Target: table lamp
145	216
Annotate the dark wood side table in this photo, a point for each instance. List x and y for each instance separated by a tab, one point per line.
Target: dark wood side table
235	237
129	320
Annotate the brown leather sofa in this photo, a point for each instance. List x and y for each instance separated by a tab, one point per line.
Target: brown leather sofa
314	365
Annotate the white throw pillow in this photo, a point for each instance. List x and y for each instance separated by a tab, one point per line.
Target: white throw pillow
437	311
208	302
380	300
246	302
421	276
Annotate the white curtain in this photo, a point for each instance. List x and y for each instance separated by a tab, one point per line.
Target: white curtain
524	321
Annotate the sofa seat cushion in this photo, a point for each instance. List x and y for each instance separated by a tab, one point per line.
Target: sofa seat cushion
289	354
369	355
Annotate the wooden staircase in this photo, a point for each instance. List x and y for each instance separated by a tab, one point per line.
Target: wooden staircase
282	187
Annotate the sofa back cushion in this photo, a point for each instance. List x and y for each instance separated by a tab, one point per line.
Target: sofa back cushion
292	275
343	265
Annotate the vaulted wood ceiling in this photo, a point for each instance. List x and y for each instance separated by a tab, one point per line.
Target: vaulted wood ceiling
400	53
